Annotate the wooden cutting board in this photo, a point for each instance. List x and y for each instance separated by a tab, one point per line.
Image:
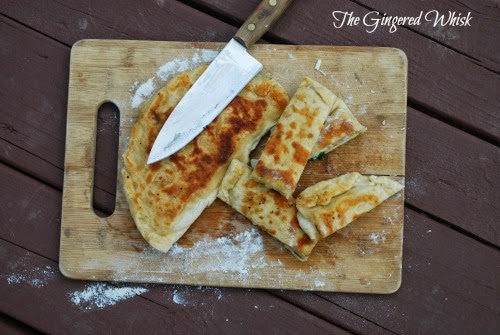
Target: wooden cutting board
222	248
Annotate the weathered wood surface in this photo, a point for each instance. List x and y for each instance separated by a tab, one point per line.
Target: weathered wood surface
52	307
453	294
453	176
10	326
440	284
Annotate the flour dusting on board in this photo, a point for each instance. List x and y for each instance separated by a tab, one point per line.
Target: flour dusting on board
378	237
362	109
227	254
100	295
145	90
238	255
319	283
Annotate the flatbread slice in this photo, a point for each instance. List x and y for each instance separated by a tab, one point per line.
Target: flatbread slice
332	204
340	127
265	208
289	147
166	197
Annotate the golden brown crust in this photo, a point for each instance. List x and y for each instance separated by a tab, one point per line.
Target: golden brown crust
290	145
340	127
266	208
166	197
334	203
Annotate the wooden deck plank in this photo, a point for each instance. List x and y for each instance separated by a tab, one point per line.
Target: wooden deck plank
333	312
33	119
42	105
26	132
452	175
449	285
32	211
478	41
70	21
446	275
443	81
9	326
34	292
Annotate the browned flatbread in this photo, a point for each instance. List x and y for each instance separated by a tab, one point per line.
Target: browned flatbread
340	127
266	208
332	204
290	145
166	197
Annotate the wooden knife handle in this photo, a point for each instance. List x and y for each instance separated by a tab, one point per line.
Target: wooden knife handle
260	21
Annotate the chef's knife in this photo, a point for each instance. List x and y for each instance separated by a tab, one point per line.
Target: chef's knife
224	78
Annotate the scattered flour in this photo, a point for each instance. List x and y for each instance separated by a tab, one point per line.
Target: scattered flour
35	277
215	290
83	23
179	299
348	100
236	256
145	90
234	253
378	237
178	65
319	283
100	295
187	296
362	109
134	86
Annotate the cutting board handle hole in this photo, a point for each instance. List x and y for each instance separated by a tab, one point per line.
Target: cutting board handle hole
106	159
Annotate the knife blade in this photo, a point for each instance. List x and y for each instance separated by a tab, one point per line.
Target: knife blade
223	79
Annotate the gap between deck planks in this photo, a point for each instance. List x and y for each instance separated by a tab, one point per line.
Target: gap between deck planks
10	326
446	275
42	130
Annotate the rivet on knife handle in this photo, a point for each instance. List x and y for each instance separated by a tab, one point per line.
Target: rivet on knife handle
260	21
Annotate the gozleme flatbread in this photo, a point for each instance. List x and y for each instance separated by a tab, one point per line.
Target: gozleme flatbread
340	127
290	145
166	197
332	204
266	209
